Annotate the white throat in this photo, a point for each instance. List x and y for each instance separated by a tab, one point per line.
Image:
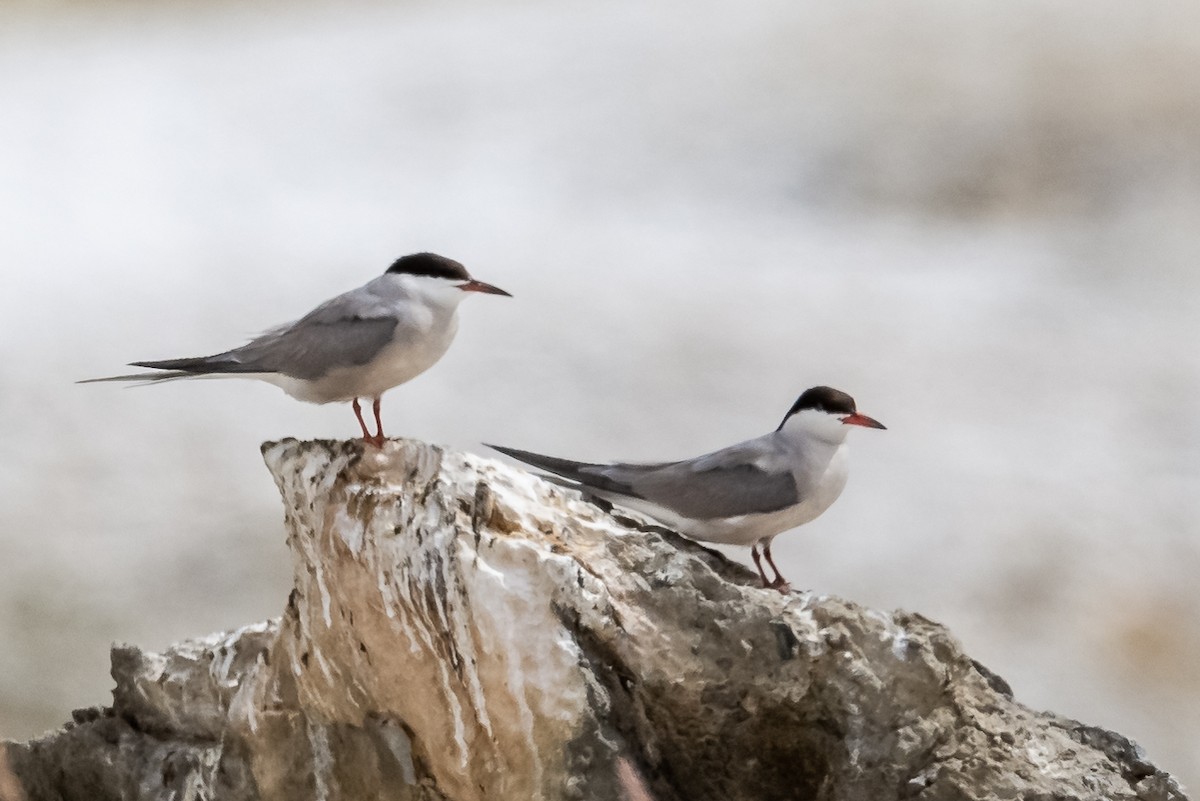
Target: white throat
810	424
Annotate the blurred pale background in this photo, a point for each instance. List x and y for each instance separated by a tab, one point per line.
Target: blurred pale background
982	220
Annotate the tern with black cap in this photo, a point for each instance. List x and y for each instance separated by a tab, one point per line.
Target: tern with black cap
357	345
745	494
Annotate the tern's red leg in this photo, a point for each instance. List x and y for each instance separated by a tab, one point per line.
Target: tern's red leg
378	423
362	423
779	583
377	441
758	564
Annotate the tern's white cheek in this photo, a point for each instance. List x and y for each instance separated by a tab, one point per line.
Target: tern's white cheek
448	293
819	424
439	292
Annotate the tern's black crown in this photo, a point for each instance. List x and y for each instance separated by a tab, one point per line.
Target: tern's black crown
431	265
827	399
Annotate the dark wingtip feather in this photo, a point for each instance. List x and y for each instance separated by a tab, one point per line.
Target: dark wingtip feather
506	451
587	474
552	464
204	365
195	364
521	456
143	377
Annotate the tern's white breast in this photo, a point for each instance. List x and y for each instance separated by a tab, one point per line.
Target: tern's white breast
419	341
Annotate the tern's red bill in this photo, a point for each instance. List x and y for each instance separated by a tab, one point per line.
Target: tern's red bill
857	419
480	286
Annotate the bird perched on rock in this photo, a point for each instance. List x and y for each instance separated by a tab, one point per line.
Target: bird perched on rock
357	345
745	494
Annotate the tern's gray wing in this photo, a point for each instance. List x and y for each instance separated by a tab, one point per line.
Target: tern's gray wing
740	480
347	331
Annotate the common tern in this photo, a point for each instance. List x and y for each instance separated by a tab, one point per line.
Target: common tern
745	494
357	345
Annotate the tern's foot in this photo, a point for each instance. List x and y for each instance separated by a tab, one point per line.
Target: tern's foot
778	584
375	441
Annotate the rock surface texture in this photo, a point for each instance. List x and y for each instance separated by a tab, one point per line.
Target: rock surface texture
462	630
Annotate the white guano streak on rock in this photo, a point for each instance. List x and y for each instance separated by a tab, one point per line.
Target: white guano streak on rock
891	632
319	575
227	644
523	580
429	565
243	706
319	658
535	507
511	631
406	549
498	634
322	759
350	529
247	685
423	631
456	607
494	622
805	626
400	747
525	576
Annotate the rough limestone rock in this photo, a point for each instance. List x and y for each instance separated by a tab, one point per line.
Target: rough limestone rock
462	630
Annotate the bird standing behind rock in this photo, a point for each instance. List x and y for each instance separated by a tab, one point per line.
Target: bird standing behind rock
745	494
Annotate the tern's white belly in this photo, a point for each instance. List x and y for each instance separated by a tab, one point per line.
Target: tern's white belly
405	358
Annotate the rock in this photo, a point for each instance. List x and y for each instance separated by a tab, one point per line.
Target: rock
460	629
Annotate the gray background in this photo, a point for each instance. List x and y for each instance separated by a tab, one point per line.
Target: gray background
979	219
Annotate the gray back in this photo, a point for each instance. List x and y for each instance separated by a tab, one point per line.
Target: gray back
740	480
347	331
